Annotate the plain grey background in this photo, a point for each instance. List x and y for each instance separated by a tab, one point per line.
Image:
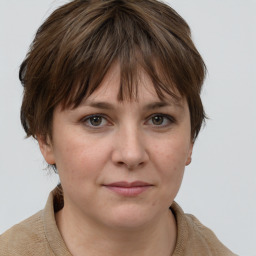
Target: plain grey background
219	186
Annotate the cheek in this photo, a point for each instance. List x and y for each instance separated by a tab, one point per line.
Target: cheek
172	153
79	158
170	159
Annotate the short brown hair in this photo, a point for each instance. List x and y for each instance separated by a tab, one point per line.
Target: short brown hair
77	44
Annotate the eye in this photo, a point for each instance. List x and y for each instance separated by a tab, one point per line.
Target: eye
95	121
161	120
157	120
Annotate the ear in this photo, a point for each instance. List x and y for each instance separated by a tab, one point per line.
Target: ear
46	149
189	158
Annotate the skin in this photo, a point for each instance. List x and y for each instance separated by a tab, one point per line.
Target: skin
132	141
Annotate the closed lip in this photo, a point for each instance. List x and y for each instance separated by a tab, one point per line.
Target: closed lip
125	184
128	189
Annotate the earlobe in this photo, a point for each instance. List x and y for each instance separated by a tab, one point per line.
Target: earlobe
189	158
46	149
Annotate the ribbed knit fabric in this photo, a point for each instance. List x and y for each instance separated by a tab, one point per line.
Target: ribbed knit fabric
39	235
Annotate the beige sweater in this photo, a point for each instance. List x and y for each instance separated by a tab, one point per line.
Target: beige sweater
39	235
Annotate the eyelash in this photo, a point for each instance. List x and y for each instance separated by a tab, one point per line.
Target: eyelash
170	119
86	119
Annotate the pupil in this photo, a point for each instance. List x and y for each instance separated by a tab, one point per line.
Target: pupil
157	120
96	120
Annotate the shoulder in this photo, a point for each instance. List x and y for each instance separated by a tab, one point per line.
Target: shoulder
205	237
25	238
196	239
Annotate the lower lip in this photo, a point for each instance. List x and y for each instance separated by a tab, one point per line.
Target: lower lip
128	191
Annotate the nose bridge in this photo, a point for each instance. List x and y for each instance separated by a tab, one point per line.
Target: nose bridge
130	149
131	137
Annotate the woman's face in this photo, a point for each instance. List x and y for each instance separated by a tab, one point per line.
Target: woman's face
120	163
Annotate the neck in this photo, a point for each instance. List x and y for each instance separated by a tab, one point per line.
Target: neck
158	238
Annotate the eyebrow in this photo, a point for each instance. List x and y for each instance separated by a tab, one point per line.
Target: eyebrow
150	106
100	105
156	105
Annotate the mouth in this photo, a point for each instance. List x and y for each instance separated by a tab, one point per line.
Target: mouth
128	189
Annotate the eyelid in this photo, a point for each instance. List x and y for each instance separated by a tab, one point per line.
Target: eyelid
170	118
103	116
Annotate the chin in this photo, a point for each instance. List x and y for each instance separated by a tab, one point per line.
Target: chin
130	216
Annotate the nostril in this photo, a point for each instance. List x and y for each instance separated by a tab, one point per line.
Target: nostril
130	166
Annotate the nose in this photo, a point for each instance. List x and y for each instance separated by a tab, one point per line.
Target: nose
129	149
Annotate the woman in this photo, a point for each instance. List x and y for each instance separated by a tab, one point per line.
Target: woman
112	95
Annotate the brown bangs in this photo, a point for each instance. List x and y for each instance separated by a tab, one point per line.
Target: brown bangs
118	35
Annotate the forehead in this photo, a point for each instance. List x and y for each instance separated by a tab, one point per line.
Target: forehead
107	92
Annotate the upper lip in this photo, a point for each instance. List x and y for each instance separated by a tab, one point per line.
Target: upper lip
126	184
